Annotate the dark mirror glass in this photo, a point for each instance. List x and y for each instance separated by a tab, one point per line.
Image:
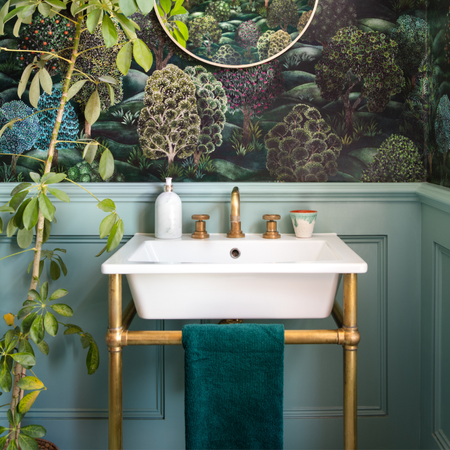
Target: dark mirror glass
235	33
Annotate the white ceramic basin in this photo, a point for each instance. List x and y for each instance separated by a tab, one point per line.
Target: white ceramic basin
203	279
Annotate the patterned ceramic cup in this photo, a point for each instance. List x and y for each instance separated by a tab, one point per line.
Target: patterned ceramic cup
303	222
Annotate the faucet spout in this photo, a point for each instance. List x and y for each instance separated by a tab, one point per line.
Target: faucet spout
235	215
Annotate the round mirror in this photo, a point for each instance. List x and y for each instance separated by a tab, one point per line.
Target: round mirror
235	33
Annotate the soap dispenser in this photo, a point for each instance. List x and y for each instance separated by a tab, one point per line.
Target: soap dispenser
168	213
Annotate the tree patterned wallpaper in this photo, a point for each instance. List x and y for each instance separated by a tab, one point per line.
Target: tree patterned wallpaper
361	97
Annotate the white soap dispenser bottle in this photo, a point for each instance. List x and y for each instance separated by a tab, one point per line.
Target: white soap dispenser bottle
168	213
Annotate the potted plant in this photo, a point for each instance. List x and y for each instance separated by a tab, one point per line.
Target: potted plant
31	208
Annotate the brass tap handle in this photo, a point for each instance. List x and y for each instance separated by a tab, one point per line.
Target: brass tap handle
271	232
200	226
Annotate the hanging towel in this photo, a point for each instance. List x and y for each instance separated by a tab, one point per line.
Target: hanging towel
234	386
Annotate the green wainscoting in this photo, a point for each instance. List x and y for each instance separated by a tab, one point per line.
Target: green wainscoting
403	396
435	350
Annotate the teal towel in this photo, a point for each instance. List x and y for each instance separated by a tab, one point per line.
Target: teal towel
234	386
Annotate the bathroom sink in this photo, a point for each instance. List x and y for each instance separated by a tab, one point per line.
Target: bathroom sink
223	278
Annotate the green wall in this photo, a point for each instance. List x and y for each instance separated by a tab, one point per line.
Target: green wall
382	222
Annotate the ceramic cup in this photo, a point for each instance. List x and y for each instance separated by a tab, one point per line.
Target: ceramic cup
303	222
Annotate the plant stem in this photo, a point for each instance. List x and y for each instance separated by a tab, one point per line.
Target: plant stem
19	371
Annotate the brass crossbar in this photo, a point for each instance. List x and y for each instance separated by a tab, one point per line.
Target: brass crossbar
119	336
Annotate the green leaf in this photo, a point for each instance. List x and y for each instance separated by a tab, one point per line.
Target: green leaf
90	151
92	109
44	9
61	195
1	225
25	347
35	431
24	312
55	271
12	445
13	13
58	294
106	205
9	337
43	347
62	309
3	441
20	187
92	358
24	81
73	329
183	29
27	322
145	6
46	206
6	208
27	12
50	324
128	26
128	7
27	401
35	177
142	55
37	330
112	97
179	37
123	60
17	199
106	166
24	238
46	81
27	443
10	417
30	214
62	265
44	291
106	225
93	19
166	5
5	378
56	3
109	31
115	236
18	218
35	91
177	11
54	178
75	88
2	430
30	383
3	13
25	359
47	230
16	31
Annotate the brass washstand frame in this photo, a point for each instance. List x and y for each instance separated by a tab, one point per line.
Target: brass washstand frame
118	336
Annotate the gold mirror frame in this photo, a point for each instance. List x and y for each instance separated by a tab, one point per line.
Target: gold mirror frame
242	66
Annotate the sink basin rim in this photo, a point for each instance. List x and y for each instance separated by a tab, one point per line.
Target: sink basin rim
347	261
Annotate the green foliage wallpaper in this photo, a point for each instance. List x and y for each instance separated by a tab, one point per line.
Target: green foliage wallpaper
363	96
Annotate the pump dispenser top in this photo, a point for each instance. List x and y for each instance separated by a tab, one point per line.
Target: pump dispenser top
168	213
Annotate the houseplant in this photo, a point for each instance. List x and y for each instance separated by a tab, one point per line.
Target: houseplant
31	208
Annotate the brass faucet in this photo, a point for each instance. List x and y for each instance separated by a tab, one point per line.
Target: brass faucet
235	216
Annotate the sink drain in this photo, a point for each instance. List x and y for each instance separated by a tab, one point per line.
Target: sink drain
235	253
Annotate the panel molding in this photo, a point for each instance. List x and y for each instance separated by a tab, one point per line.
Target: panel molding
381	409
156	413
439	252
250	192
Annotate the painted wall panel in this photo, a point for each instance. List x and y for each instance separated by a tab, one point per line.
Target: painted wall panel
435	395
374	224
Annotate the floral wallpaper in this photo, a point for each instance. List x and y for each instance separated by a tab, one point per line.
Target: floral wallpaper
361	97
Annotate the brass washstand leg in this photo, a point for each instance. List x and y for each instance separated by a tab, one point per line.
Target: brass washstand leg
115	362
352	338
